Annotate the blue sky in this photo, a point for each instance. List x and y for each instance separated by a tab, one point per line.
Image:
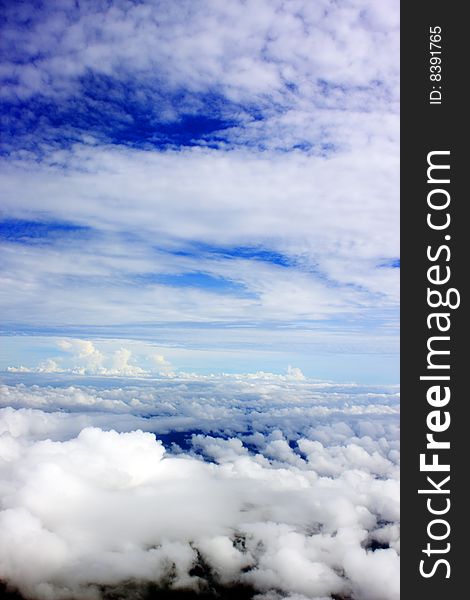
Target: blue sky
208	187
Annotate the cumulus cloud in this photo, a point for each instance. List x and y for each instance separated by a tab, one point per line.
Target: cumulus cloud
87	359
299	507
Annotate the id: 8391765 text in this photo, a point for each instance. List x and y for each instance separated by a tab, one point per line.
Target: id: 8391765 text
435	64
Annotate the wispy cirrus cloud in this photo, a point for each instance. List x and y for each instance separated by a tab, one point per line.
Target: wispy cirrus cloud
281	255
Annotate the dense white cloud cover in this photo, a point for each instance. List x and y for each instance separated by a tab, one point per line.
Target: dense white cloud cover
227	404
283	483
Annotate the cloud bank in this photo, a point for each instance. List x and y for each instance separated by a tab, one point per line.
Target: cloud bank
283	484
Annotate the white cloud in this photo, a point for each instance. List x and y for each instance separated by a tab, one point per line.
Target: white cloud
85	352
286	204
261	512
295	373
163	366
87	359
230	405
249	51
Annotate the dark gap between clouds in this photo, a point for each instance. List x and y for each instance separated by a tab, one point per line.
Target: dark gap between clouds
122	112
150	591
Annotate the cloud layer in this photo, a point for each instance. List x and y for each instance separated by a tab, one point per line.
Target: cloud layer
284	484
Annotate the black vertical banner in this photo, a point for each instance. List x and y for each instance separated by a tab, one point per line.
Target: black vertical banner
434	236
